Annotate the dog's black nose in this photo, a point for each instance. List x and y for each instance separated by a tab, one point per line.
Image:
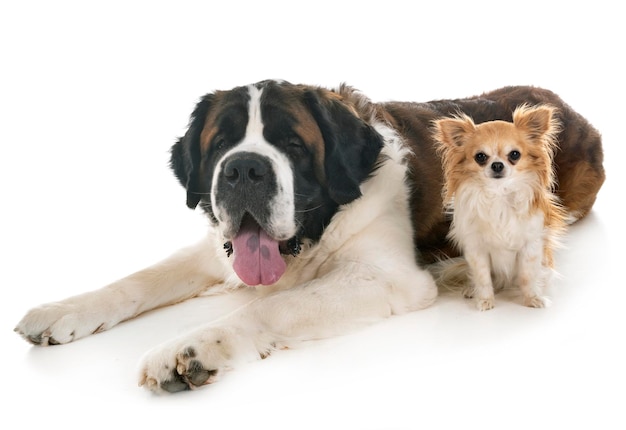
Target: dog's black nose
497	166
245	168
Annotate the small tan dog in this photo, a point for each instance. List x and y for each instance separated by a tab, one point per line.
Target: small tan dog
499	186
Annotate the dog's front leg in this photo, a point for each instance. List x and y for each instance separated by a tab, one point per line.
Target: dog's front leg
481	284
181	276
532	275
339	301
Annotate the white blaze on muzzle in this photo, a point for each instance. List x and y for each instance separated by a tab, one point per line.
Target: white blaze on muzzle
256	236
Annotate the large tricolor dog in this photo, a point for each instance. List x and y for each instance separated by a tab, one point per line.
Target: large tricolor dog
323	204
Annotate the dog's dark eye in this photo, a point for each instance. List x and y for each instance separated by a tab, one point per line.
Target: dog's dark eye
481	158
514	155
294	144
294	141
219	143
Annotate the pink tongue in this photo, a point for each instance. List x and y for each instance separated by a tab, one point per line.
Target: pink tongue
257	259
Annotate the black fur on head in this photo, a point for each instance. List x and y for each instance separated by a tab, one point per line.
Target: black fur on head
351	146
185	153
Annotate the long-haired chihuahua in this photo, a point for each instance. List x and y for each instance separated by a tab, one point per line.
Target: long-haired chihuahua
498	186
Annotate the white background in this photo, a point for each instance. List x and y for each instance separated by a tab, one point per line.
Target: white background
93	95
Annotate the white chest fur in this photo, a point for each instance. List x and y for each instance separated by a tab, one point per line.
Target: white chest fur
496	219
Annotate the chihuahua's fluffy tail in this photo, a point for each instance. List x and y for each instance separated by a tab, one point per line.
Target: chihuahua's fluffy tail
450	274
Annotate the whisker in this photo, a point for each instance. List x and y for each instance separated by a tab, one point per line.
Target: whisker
308	210
200	194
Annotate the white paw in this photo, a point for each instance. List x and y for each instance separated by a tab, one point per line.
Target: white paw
58	323
485	304
536	302
194	360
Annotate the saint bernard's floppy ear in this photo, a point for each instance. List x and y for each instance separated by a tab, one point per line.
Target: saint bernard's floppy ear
351	145
185	153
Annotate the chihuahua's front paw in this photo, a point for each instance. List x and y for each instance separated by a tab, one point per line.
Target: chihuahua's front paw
536	302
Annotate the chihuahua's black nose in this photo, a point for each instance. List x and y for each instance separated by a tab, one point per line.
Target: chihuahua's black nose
497	166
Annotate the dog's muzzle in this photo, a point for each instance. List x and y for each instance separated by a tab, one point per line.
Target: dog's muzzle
247	185
497	169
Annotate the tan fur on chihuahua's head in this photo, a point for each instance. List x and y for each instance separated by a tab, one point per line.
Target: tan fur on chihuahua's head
499	184
495	149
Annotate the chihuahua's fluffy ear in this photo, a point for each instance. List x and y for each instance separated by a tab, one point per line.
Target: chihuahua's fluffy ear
454	131
537	122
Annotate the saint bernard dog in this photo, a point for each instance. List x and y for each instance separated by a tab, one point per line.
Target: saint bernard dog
324	205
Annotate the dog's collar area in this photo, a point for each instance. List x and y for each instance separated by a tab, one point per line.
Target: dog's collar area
228	247
291	247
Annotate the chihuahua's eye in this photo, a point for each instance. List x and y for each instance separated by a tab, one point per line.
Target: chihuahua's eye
514	156
481	158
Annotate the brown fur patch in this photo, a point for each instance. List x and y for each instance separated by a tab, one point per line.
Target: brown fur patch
307	129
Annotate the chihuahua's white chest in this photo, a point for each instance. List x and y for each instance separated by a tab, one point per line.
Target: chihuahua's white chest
496	219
